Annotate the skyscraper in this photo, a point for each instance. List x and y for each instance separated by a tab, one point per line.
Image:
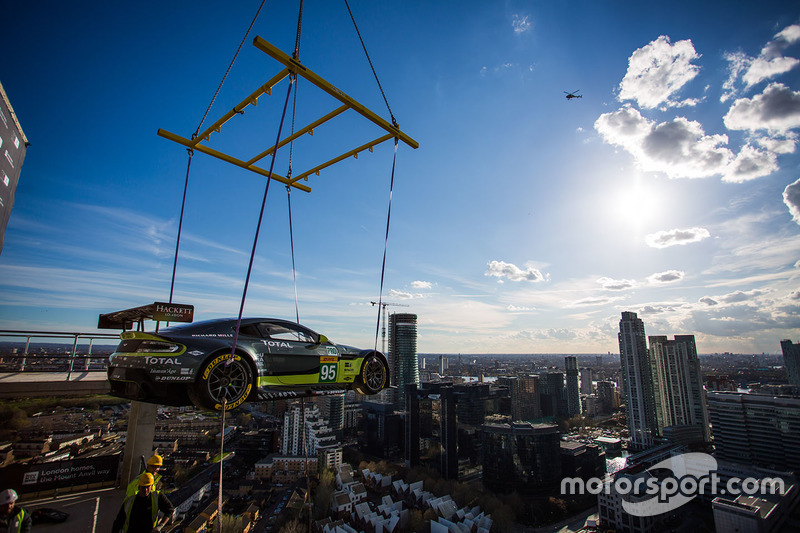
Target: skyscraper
678	383
587	387
573	391
552	399
791	361
403	353
637	381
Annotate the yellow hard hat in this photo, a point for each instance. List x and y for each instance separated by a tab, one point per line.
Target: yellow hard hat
156	460
146	480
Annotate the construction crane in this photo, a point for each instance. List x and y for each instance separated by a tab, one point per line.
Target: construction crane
383	329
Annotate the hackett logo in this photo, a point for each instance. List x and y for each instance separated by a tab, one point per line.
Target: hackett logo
168	312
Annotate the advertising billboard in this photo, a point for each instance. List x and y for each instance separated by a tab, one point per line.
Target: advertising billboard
13	145
25	478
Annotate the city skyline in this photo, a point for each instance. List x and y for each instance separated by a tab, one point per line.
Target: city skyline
524	223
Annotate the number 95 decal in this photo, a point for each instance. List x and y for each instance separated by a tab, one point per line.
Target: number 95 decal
327	372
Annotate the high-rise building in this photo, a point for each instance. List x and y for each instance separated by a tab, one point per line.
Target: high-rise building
552	398
755	429
403	353
637	381
791	361
586	381
431	419
678	383
521	457
309	427
605	393
14	144
525	398
573	391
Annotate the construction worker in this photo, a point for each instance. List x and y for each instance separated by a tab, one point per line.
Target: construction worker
154	464
13	519
139	513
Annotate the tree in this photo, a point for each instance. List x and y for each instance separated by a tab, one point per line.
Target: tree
231	524
293	526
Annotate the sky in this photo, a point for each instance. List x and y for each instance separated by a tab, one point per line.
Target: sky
525	222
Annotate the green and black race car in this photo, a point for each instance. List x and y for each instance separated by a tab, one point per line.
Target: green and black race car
195	364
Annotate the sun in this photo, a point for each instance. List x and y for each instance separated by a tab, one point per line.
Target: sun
636	205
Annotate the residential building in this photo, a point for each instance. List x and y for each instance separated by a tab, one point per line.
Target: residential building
525	405
678	383
637	382
586	381
308	427
403	354
791	361
552	397
756	429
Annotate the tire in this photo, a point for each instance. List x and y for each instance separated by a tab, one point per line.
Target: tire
223	378
374	375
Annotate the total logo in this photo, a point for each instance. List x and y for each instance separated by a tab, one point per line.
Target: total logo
162	361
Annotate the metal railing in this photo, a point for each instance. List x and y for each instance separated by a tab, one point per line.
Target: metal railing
40	351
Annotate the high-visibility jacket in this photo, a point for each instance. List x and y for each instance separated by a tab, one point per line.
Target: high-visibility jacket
128	506
133	486
20	521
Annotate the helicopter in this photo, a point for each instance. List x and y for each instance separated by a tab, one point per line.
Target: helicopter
573	94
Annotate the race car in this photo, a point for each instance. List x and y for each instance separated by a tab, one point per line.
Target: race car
195	364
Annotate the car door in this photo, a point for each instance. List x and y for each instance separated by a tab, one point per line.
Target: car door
294	354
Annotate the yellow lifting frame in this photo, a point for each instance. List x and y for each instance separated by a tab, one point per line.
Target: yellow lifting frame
292	67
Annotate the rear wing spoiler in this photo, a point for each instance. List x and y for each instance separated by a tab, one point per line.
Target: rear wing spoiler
157	311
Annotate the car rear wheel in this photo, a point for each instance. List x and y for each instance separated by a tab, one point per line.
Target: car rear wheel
223	379
374	375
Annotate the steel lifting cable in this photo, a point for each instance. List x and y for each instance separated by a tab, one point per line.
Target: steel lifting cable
394	122
394	161
386	243
191	152
296	56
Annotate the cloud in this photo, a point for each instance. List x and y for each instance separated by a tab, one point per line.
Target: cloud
777	109
520	24
749	164
673	237
501	269
771	61
516	309
779	144
602	300
400	295
421	284
670	276
679	148
740	296
791	197
658	70
616	284
708	301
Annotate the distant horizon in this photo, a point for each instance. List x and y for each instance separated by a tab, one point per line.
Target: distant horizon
112	343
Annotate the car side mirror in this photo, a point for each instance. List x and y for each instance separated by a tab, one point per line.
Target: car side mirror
323	340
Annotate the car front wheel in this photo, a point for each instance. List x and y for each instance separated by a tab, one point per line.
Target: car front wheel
224	379
374	375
